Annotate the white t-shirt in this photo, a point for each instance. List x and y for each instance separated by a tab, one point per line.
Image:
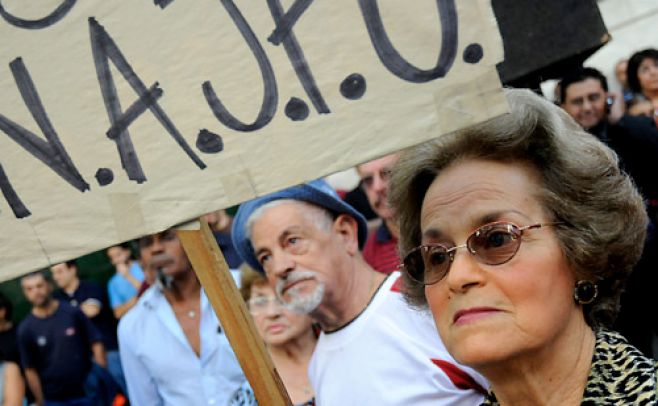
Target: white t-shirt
391	354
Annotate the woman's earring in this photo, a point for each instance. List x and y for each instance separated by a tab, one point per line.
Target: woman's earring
585	292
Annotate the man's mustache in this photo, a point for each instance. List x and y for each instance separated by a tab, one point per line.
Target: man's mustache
158	261
291	278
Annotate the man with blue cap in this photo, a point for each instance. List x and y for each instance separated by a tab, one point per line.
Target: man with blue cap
373	348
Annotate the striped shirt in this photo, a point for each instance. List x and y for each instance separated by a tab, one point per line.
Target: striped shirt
381	251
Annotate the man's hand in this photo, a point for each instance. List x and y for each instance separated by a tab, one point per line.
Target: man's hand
90	307
618	107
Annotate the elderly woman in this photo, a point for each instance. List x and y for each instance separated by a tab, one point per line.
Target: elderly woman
642	76
518	234
289	338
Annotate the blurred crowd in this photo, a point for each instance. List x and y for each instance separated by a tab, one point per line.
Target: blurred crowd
151	337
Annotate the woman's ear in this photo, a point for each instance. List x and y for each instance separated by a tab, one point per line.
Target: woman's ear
347	228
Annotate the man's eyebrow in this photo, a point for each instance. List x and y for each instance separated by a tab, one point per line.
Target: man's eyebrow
281	238
286	232
432	233
259	251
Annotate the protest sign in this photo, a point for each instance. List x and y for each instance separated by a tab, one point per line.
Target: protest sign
122	118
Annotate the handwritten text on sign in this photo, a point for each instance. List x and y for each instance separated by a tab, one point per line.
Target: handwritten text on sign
122	118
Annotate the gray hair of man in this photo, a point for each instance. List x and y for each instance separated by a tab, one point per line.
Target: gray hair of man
581	185
321	218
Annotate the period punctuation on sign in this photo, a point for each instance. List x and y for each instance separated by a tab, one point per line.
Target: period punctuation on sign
162	3
473	53
296	109
104	176
209	142
353	87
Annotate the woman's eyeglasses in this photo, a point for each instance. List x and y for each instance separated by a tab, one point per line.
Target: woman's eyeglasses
491	244
259	304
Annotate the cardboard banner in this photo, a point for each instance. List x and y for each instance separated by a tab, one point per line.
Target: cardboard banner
122	118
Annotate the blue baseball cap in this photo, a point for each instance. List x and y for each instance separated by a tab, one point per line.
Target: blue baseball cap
317	192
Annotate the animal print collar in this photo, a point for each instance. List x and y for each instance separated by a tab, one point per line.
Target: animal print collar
620	375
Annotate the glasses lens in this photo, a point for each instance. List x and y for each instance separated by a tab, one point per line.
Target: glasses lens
437	261
259	304
495	244
413	265
427	264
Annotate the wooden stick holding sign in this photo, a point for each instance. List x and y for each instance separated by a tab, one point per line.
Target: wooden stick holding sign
211	268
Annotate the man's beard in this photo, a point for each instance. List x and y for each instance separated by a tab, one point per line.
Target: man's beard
42	303
298	302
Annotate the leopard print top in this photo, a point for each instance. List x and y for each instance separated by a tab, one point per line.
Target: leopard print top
620	375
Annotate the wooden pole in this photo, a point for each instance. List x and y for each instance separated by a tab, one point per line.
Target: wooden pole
215	277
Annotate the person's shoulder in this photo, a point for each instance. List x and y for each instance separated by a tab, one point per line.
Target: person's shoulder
60	295
620	371
129	321
395	308
89	285
389	300
111	284
136	314
25	325
136	268
65	310
90	289
65	307
635	126
641	121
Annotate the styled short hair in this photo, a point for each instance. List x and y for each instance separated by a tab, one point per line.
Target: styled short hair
249	278
578	75
581	186
634	63
127	245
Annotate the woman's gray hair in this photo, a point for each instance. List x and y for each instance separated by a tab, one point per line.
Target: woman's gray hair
603	215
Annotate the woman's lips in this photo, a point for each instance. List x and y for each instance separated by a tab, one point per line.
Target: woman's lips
473	314
275	328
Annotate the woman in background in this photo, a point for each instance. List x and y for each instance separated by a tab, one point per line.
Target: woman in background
642	76
289	338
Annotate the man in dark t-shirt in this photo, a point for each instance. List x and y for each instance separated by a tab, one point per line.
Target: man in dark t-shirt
92	300
56	342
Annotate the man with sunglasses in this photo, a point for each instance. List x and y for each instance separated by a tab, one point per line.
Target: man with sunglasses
173	350
380	250
373	349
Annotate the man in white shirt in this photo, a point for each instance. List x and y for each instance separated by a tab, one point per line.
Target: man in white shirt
373	349
173	350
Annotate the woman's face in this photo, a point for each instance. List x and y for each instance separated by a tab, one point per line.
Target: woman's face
276	325
492	313
647	74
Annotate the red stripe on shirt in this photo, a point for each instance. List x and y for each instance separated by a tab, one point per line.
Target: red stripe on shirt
398	285
459	378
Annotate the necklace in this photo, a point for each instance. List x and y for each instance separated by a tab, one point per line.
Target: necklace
191	314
